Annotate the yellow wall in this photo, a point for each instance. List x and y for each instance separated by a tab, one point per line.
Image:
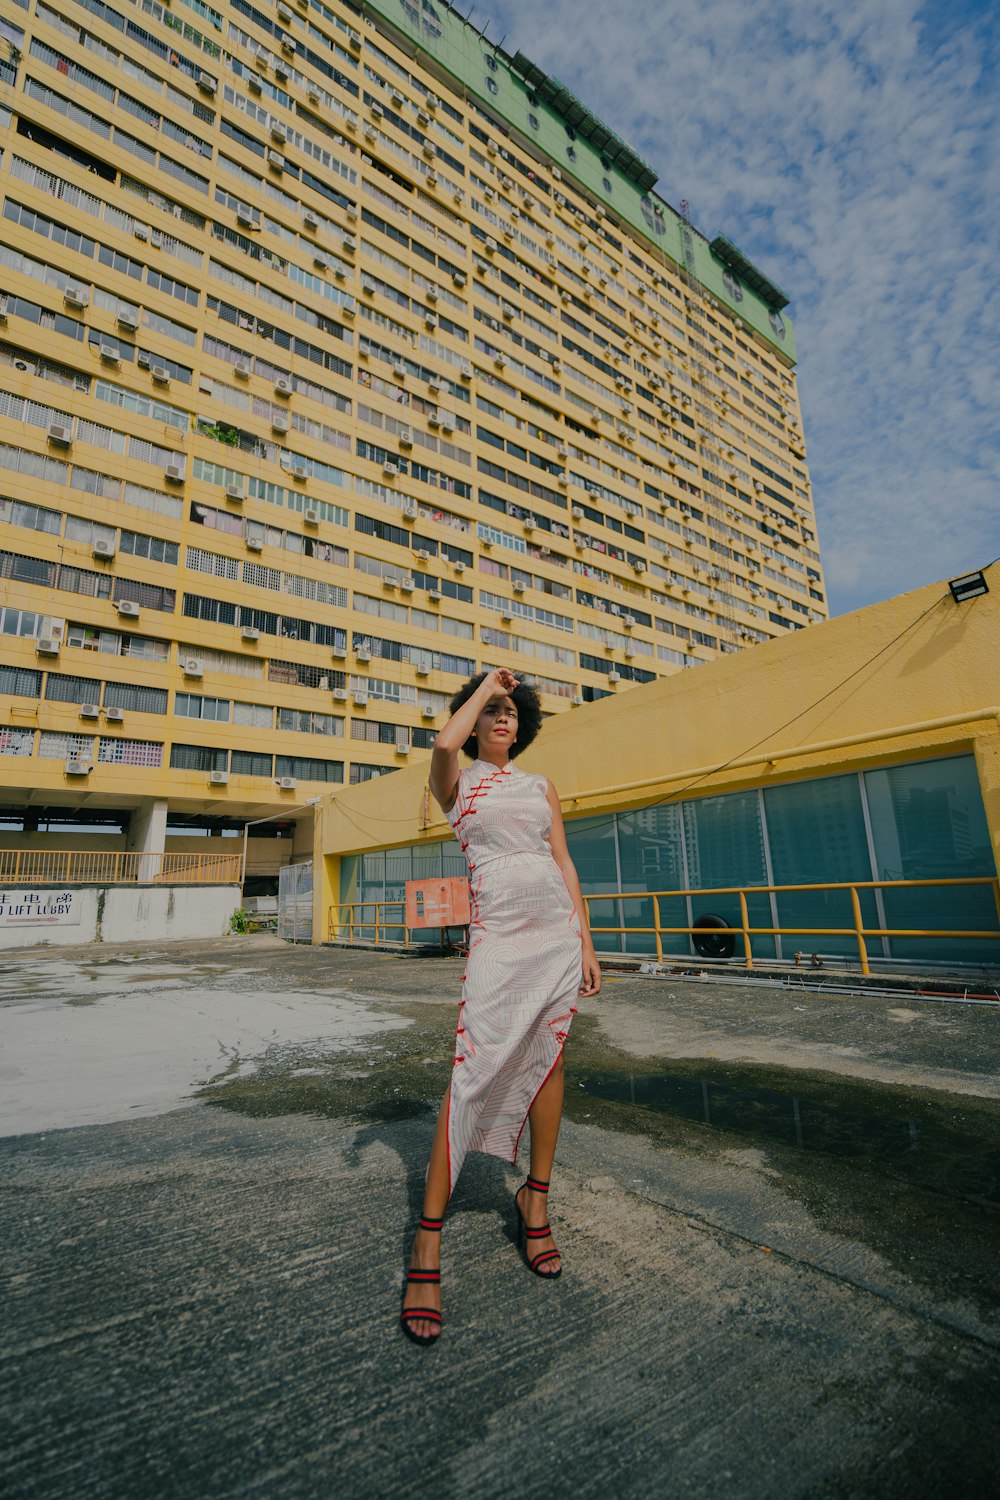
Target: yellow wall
896	666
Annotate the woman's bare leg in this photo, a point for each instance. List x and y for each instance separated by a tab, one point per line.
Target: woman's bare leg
426	1252
544	1117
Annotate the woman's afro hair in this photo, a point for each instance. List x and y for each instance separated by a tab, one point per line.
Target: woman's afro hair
529	714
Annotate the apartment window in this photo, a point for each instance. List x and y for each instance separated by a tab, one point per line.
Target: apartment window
304	768
249	763
20	682
140	700
197	758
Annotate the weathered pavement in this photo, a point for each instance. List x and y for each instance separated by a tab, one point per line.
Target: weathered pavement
778	1213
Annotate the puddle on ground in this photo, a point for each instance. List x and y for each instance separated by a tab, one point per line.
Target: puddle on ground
911	1173
902	1138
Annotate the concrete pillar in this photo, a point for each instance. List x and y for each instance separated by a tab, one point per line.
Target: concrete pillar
147	836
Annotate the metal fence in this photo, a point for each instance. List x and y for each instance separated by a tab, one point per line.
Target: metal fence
377	922
295	903
110	867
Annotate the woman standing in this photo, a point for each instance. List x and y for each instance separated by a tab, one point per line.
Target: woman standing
530	956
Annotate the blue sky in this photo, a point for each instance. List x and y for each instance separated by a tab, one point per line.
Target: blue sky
854	152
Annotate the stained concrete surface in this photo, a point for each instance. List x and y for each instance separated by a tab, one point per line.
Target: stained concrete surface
778	1213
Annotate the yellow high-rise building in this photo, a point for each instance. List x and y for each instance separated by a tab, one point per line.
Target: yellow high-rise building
343	353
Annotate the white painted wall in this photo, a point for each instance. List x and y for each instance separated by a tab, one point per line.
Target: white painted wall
125	914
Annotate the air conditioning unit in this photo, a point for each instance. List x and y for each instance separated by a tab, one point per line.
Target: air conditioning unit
639	566
465	369
278	132
76	767
218	778
109	354
254	83
310	221
614	677
360	699
459	278
235	492
104	549
246	215
61	433
279	422
390	470
428	710
628	621
349	244
405	438
114	715
255	544
127	609
286	783
160	374
459	566
578	512
434	419
422	669
282	386
76	296
409	511
389	580
518	586
192	667
577	699
430	320
506	616
275	161
529	523
299	471
363	654
250	633
241	369
403	748
311	517
287	42
47	647
407	584
128	320
207	83
434	595
398	369
340	695
90	711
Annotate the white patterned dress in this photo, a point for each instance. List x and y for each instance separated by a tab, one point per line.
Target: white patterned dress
525	963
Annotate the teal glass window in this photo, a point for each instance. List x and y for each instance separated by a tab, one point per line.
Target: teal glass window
816	835
651	855
724	844
928	822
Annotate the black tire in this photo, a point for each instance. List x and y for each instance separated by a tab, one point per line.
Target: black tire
713	944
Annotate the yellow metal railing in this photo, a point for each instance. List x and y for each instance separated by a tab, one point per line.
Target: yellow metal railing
111	867
357	918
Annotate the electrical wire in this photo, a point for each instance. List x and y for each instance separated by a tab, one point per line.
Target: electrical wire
679	792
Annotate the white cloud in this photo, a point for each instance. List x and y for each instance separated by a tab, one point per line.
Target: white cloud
856	159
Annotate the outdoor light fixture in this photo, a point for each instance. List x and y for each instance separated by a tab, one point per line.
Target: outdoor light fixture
969	586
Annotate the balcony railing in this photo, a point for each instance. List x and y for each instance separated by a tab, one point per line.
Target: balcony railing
20	867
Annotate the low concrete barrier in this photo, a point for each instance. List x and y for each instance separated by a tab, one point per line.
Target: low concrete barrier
69	915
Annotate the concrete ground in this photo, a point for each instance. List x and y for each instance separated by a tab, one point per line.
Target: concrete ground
778	1212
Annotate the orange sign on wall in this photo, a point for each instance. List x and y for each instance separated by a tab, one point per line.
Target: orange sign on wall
437	903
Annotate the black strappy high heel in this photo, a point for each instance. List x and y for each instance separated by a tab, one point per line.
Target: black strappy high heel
526	1235
424	1278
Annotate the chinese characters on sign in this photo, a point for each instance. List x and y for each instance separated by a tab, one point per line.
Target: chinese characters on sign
34	908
